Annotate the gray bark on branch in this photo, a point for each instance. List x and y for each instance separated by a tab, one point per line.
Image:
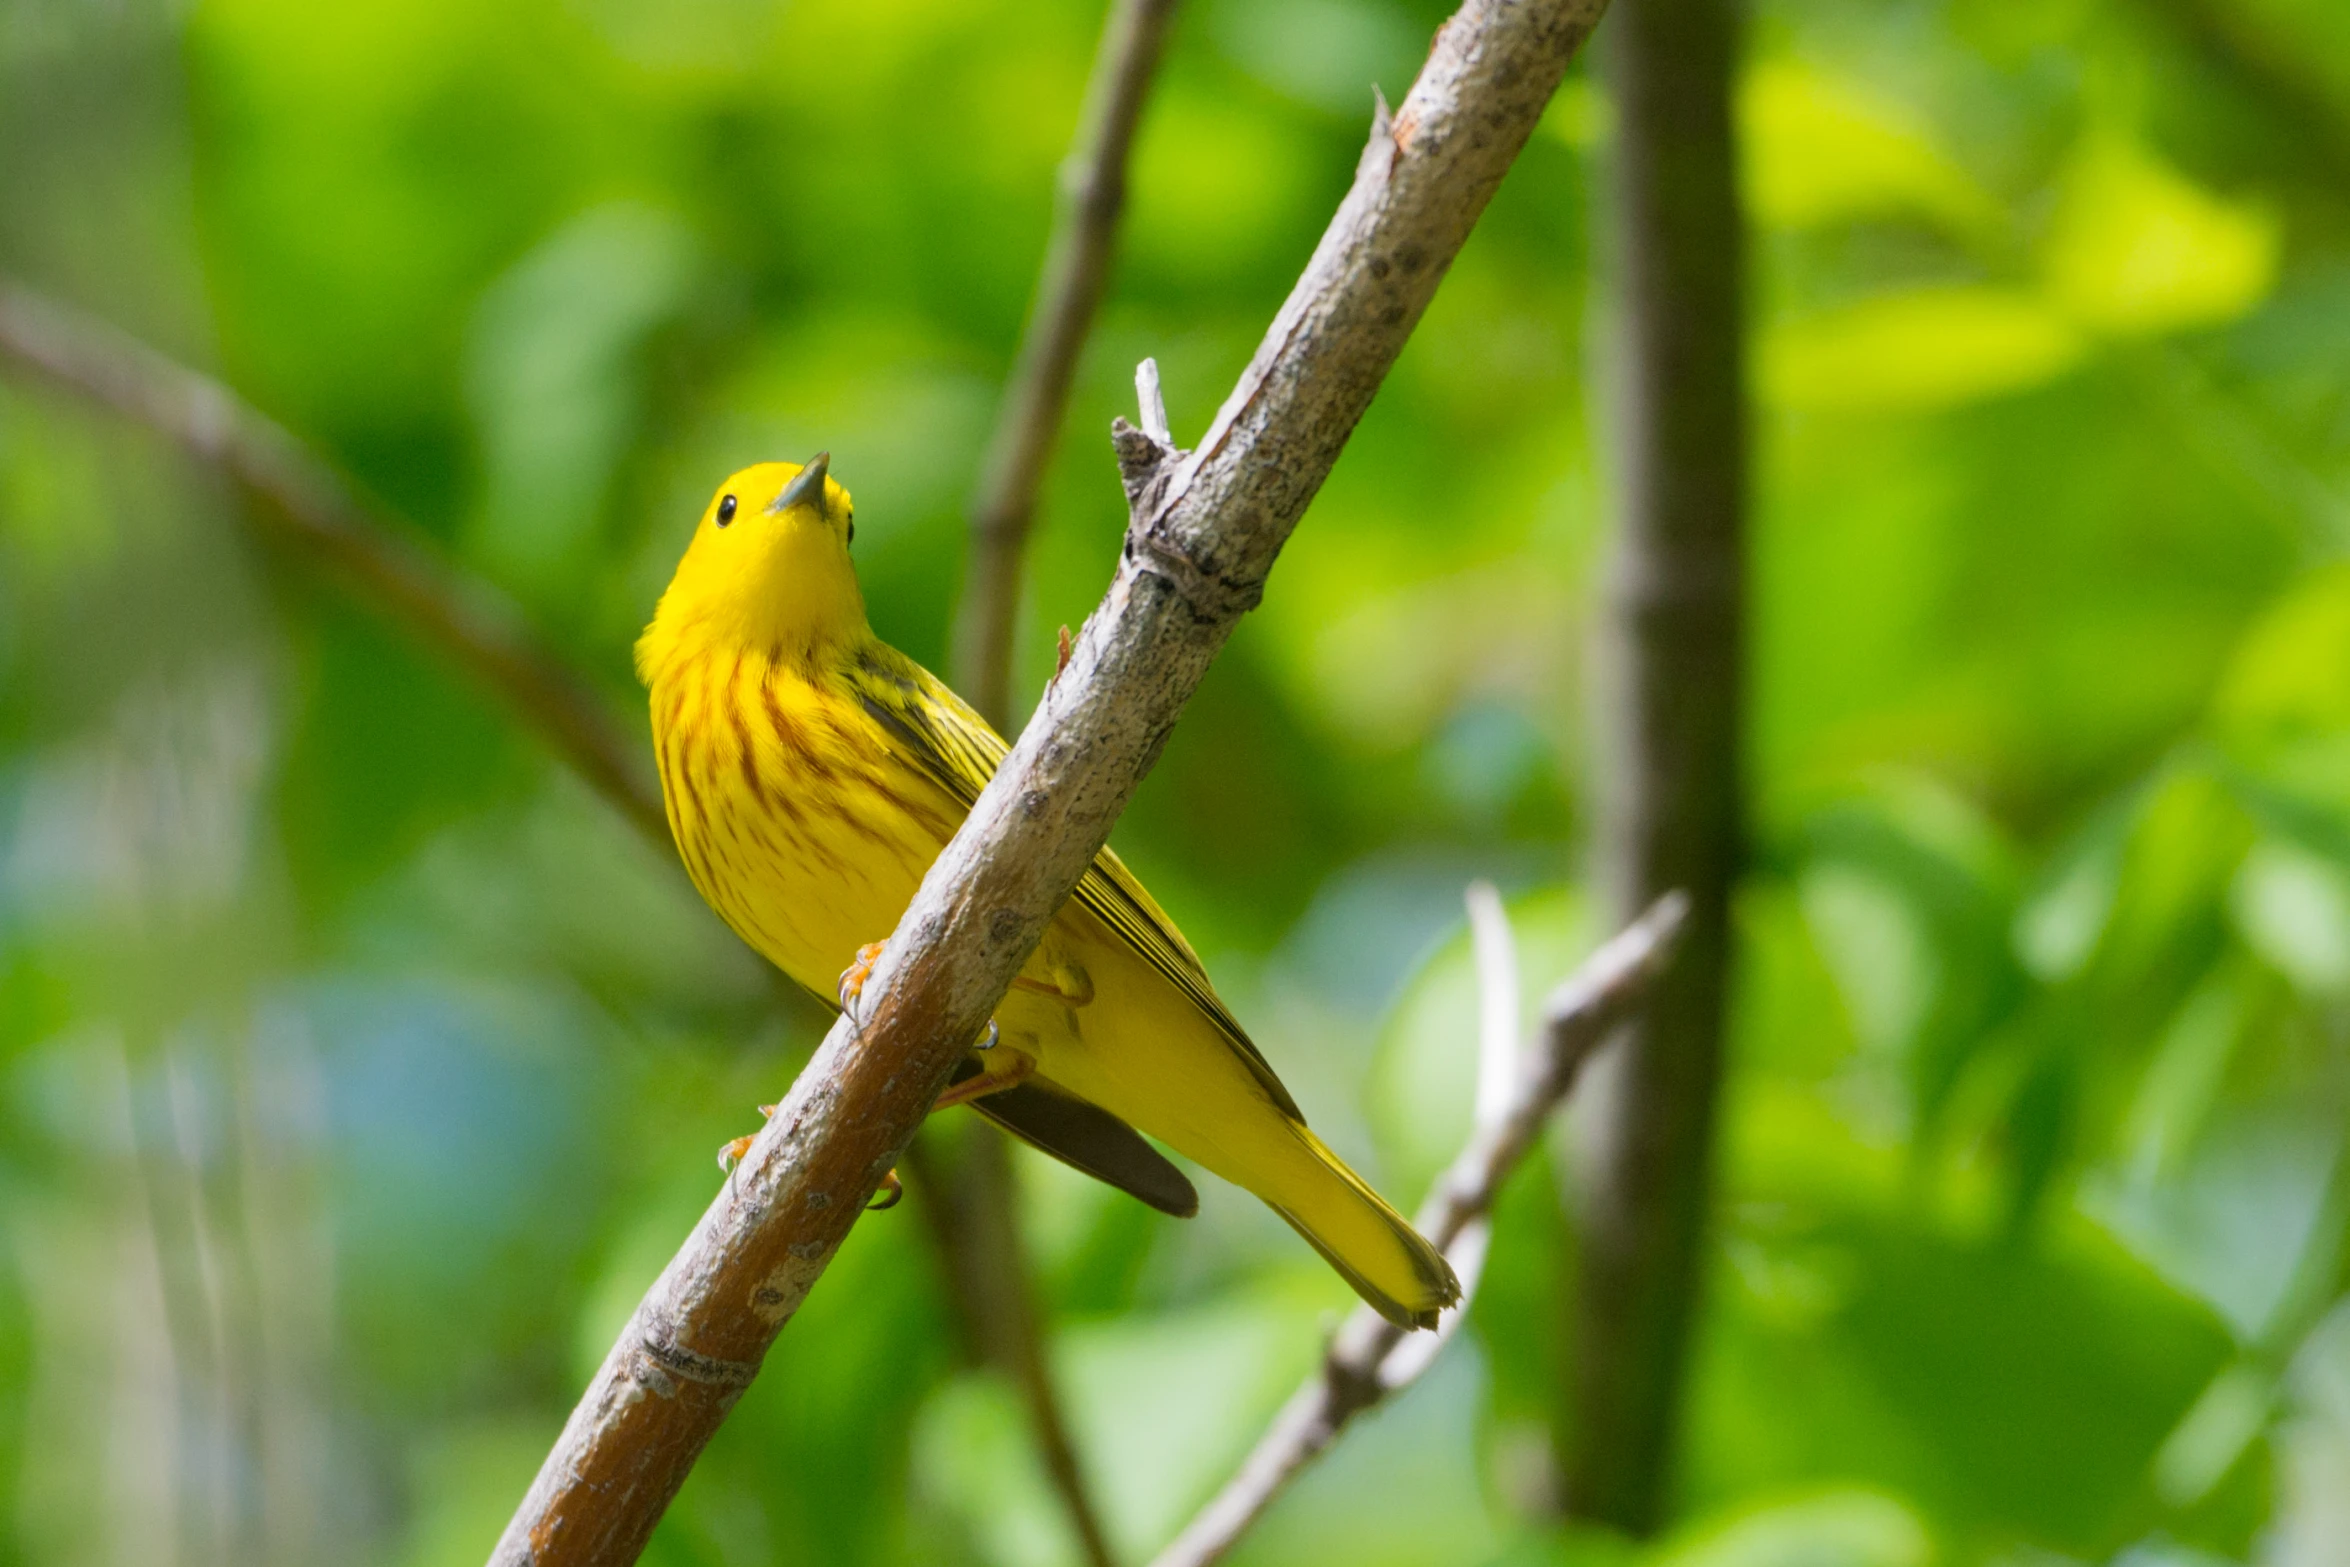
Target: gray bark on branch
1196	558
1370	1359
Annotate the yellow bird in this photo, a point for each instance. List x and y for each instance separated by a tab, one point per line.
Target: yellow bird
813	773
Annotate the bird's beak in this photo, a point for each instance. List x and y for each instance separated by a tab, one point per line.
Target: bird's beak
807	485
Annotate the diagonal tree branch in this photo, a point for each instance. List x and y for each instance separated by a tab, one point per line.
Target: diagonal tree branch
1205	531
1076	265
1371	1360
310	507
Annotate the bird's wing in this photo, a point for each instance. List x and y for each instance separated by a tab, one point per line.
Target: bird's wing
961	751
1087	1138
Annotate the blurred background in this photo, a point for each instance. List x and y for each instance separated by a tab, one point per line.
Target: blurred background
359	1067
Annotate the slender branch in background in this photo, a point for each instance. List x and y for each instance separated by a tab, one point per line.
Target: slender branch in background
962	1177
1076	264
1203	536
983	1247
1669	807
1371	1360
314	509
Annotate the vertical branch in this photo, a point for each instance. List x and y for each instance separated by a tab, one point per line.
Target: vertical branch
963	1177
1670	799
1077	260
985	1253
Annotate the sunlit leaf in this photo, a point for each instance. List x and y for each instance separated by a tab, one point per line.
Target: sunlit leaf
1581	114
2286	676
2214	1434
2294	909
556	385
1836	1529
2137	248
1821	149
1916	349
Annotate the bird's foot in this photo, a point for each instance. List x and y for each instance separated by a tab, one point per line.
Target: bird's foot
732	1154
981	1084
852	978
892	1192
1069	984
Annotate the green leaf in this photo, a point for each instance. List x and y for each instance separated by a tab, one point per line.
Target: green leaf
1819	149
1916	349
2138	249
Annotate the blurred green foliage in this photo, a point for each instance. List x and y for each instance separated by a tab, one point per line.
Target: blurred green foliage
357	1069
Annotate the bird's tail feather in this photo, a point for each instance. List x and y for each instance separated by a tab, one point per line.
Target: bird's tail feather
1373	1247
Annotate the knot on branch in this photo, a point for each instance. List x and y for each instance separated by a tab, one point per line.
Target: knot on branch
661	1354
1211	595
1144	463
1348	1384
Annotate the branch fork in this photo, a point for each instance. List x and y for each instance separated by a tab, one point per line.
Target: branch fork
1149	462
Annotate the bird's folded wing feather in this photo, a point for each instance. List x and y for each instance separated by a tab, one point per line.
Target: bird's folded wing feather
961	751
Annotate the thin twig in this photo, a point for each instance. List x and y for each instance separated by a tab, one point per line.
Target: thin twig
1076	264
1370	1359
1153	398
1198	549
985	1250
314	509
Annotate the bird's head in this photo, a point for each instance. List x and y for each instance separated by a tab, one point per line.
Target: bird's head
768	569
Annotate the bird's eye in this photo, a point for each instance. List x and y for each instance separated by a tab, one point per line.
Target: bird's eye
852	527
726	511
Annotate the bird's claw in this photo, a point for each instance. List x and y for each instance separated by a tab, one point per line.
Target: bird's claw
732	1153
891	1192
852	978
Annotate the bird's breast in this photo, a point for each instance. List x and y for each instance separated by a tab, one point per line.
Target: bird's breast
795	815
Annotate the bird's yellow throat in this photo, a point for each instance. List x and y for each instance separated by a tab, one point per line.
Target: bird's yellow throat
759	574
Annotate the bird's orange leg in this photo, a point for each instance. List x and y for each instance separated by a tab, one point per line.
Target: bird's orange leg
892	1189
1070	985
732	1154
986	1083
852	978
